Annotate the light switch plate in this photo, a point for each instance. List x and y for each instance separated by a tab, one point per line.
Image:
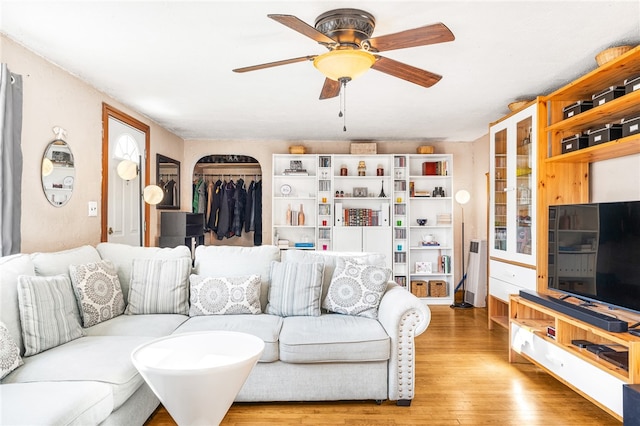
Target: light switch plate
93	208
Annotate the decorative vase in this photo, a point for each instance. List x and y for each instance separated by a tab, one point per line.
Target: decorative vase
301	216
288	218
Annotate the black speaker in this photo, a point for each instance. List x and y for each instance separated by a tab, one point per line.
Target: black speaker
631	405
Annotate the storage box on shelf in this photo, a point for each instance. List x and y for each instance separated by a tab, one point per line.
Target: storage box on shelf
294	201
512	213
599	380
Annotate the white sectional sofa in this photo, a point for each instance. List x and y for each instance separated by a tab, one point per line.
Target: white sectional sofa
311	354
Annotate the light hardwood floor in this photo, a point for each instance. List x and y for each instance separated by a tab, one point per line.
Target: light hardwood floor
462	378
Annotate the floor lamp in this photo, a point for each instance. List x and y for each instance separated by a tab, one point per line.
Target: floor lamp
151	194
462	197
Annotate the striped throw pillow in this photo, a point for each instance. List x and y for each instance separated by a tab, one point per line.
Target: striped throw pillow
159	286
48	312
295	289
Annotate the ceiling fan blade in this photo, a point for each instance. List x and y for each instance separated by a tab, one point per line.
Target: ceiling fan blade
330	89
302	27
275	64
430	34
406	72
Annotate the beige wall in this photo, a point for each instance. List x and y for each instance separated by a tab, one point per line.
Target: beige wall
53	97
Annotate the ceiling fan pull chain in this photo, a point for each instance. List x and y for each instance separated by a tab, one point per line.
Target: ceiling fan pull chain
343	103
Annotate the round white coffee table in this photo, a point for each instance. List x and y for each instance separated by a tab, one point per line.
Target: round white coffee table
197	375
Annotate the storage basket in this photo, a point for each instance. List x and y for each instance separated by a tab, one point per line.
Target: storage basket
516	105
297	149
437	288
611	53
363	148
426	149
419	288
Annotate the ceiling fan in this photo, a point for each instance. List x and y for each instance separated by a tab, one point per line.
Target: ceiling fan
346	33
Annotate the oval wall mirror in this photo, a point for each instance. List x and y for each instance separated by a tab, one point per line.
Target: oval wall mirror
58	173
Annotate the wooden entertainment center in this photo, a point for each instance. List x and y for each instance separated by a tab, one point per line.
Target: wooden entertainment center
563	178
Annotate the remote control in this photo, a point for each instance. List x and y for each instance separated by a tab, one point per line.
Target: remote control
635	332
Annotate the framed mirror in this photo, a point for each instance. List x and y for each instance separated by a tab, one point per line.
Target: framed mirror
58	173
168	178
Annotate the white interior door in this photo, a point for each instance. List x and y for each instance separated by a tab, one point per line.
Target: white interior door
125	201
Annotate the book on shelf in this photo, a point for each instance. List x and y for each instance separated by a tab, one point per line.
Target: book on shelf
435	168
292	172
444	264
361	217
282	242
303	245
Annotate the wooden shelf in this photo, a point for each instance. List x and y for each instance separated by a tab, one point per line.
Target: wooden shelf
626	106
569	328
605	151
567	362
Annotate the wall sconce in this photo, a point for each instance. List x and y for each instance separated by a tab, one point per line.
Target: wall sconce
151	194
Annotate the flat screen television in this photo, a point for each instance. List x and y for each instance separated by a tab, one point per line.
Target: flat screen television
594	252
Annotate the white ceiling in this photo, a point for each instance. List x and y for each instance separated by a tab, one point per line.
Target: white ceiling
172	61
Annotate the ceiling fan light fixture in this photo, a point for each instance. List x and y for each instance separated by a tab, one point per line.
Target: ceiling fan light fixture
347	63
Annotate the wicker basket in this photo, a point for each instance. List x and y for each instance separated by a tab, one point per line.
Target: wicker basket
297	149
611	53
437	288
419	288
426	149
515	106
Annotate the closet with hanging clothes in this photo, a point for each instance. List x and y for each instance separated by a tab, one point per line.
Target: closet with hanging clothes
227	190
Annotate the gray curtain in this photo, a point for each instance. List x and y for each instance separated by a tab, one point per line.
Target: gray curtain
10	160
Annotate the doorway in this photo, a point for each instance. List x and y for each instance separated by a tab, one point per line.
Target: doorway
124	138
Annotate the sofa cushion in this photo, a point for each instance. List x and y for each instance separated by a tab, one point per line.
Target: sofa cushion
295	289
57	263
159	286
333	338
105	359
224	295
98	291
122	255
330	260
48	312
356	289
266	327
11	267
55	403
216	261
151	325
10	358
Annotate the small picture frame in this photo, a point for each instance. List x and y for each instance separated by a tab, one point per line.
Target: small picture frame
360	192
424	267
295	164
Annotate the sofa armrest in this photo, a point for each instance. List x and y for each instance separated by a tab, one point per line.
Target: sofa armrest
404	317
